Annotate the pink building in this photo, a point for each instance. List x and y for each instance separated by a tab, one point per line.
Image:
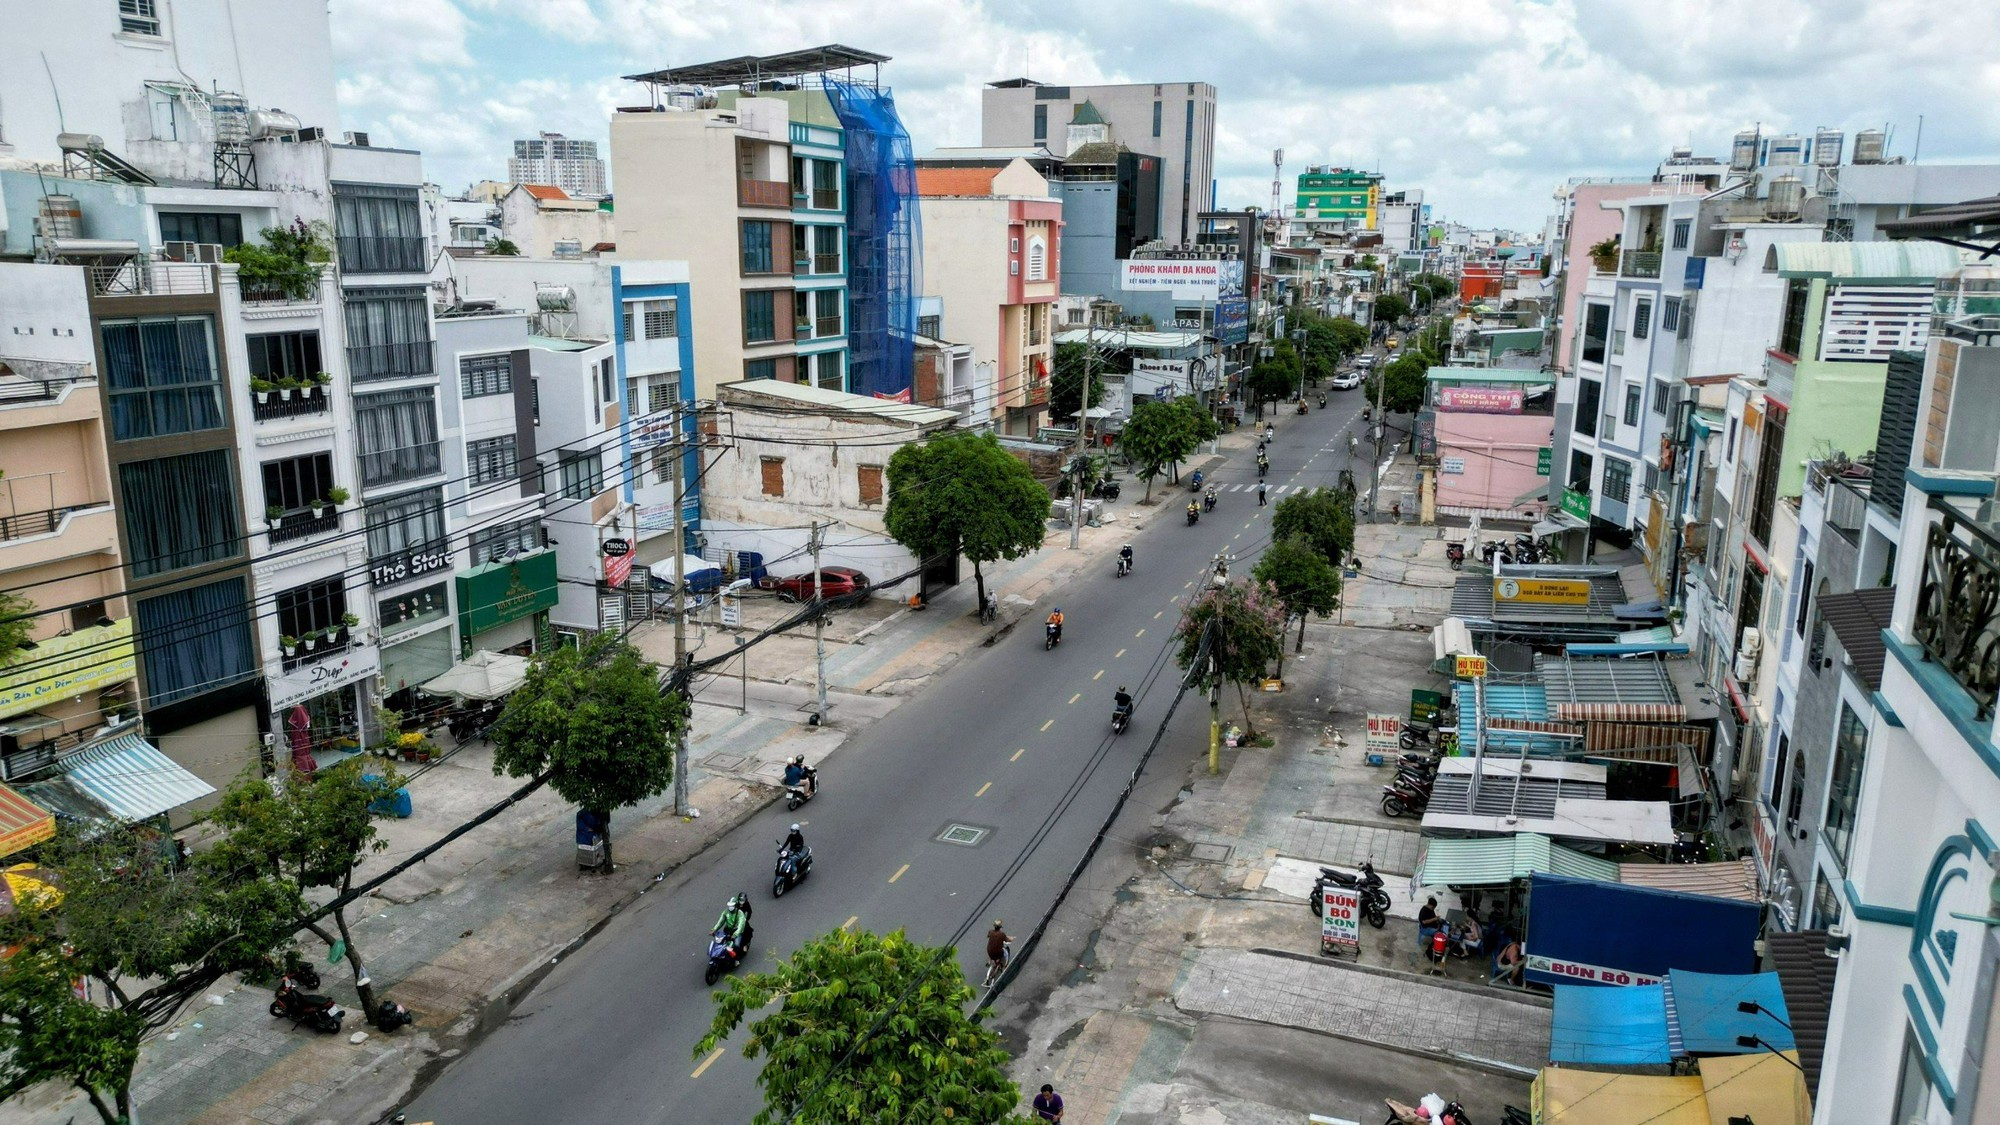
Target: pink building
1489	428
1586	224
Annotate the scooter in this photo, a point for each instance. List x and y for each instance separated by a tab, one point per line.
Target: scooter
1302	406
805	790
315	1011
1208	501
1124	566
1322	402
1051	636
1454	553
723	955
792	870
1374	900
1121	717
1194	515
1405	795
1194	481
1263	467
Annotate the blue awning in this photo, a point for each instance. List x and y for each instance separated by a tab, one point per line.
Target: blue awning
121	778
1624	1025
1710	1020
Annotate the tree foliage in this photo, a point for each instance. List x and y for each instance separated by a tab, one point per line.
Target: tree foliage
147	932
17	625
1248	638
963	494
503	248
825	1058
288	260
1322	518
1066	382
1201	422
1390	308
593	719
1404	381
1303	581
1277	376
1159	434
1437	286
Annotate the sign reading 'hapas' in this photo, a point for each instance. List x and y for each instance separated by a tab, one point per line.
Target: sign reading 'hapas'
85	660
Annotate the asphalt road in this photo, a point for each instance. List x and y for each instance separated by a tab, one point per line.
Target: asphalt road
1008	741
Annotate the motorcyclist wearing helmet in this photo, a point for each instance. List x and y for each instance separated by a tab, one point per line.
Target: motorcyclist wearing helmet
1123	700
795	843
1056	621
797	773
735	920
1125	553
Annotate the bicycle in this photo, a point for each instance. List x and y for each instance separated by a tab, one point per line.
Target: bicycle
996	966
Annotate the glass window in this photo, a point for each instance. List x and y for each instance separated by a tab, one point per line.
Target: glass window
826	186
1642	319
397	435
1589	392
162	377
380	228
179	511
582	476
1670	315
1041	123
1660	399
501	540
933	326
491	459
406	611
1632	396
1038	260
196	226
760	316
139	17
1791	332
1596	329
760	369
482	375
757	257
409	522
314	608
1681	229
197	640
284	355
388	333
1843	799
1156	118
1617	479
662	318
294	483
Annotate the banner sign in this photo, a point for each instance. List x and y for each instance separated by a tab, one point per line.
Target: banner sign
92	657
1576	504
317	678
1232	306
1451	464
1480	400
617	568
1339	919
1384	732
1542	457
1542	591
1576	972
1469	667
1187	280
1425	705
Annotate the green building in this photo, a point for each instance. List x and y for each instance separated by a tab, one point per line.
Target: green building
1346	196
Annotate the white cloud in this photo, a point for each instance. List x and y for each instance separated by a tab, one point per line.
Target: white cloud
1485	104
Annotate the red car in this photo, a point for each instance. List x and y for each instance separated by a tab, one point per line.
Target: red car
834	582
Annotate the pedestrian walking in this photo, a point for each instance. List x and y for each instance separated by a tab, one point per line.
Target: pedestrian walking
1261	488
1048	1104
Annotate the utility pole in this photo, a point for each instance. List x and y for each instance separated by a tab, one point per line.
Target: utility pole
1082	420
1375	466
819	633
1214	701
681	807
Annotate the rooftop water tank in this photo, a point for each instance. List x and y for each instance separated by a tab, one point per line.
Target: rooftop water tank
231	114
273	123
1782	199
1871	146
555	298
1743	151
1826	148
1786	151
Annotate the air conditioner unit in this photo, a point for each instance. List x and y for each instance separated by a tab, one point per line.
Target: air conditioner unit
1753	641
311	133
358	140
1745	669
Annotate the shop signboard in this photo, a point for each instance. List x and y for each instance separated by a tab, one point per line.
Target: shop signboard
1339	919
617	569
1425	705
1383	733
1574	972
1469	667
1232	307
500	592
1582	931
613	548
1542	591
413	563
1480	400
1542	460
1451	464
62	667
318	677
650	431
732	610
1576	504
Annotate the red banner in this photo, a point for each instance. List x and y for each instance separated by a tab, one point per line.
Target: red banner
1480	400
617	570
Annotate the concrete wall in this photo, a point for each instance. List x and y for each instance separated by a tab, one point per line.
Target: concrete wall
965	266
1500	453
1737	315
1589	223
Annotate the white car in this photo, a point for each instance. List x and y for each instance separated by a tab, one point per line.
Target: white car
1346	380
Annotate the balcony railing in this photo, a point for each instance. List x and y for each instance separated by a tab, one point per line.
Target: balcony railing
826	263
22	525
266	293
826	326
763	193
1639	263
389	361
382	254
136	278
392	466
29	381
272	406
1957	622
322	647
303	524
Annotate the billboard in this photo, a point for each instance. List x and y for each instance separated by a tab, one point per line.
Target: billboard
1187	280
1232	307
1480	400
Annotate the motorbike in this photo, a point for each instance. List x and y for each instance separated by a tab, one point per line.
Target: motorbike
315	1011
1322	402
1405	795
1451	1114
1263	467
1051	636
1194	515
1121	717
989	610
1416	734
1124	566
1374	900
1194	481
806	789
792	870
1454	553
1106	489
1302	406
1208	501
723	954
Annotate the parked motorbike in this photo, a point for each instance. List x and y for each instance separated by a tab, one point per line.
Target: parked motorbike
1454	553
1405	796
792	870
1451	1114
805	790
1121	717
1051	635
1374	900
1106	489
315	1011
723	955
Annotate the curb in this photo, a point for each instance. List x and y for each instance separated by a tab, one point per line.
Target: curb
1490	1066
1526	1000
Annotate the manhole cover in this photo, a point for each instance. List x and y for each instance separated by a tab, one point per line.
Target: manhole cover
723	762
964	835
1210	853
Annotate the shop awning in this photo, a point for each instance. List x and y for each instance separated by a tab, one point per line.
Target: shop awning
1619	1026
1502	859
483	675
1710	1020
122	778
23	824
1805	974
1764	1088
1580	1096
1735	878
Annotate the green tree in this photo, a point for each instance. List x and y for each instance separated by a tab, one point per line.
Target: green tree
1248	637
503	248
17	625
1323	518
1353	337
289	259
1322	350
1437	286
310	833
1404	382
1390	308
963	494
1158	435
1201	423
1303	581
1276	376
147	933
594	721
1073	362
867	1027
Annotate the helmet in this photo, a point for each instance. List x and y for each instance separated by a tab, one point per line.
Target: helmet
996	923
795	827
1121	687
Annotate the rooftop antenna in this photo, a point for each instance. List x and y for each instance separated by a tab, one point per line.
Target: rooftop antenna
1917	150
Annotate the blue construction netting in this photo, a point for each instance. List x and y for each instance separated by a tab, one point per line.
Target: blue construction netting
882	240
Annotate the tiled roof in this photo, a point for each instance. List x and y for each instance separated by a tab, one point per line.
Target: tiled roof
1858	620
545	191
1805	974
955	181
1087	114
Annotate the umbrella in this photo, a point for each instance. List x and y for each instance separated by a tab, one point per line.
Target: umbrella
25	882
483	675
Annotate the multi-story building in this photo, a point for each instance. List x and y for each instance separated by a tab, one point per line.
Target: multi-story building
993	256
1337	199
1174	121
554	159
544	221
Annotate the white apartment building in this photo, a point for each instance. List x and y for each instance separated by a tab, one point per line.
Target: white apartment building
554	159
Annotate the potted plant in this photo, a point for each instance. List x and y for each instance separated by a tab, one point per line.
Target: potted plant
286	386
262	388
318	507
275	513
1604	255
320	378
350	621
289	644
336	496
309	640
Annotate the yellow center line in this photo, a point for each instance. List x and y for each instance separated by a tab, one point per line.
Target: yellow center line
899	873
705	1063
1047	725
1187	584
1238	535
1100	674
849	924
1118	654
1018	753
1141	632
983	789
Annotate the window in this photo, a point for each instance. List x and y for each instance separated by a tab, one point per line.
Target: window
401	524
1682	228
1632	396
826	248
1589	393
1014	245
397	435
760	316
1038	260
663	465
773	470
1791	333
756	246
1014	268
315	607
294	483
1795	792
1670	315
380	228
490	544
607	381
582	475
138	17
1843	798
162	377
1041	123
388	333
196	226
662	391
284	355
1660	399
869	479
826	188
1780	764
404	612
1913	1084
1596	328
659	319
483	375
535	400
760	369
179	511
1617	479
1642	319
197	640
1156	118
933	326
492	459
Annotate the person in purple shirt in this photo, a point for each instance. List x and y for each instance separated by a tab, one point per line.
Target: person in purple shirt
1048	1104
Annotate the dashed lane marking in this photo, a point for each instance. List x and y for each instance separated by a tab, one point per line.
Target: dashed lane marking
1100	673
1074	698
899	873
1118	654
1018	753
849	924
707	1062
1141	632
983	789
1047	725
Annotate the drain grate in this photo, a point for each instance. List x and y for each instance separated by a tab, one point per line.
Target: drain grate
964	835
1210	853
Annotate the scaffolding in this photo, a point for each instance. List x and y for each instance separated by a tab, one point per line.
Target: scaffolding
882	239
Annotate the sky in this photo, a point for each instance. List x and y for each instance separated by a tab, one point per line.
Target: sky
1487	105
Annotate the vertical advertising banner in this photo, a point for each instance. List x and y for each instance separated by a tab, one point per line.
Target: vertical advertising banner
1339	919
1232	306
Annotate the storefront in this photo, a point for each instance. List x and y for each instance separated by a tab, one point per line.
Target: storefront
317	707
416	638
503	606
119	777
